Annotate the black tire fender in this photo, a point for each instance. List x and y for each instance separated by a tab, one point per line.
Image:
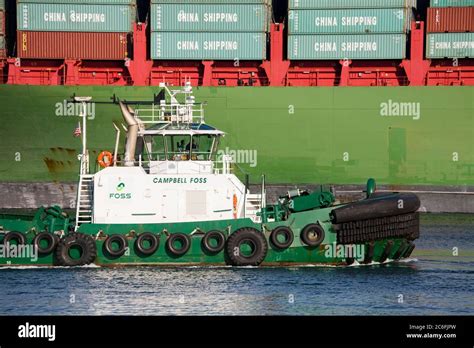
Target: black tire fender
185	240
154	243
282	230
52	242
18	236
247	235
85	242
312	235
116	238
214	234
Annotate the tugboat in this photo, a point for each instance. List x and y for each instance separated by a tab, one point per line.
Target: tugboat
169	200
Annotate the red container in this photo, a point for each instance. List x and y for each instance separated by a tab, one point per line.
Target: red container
72	45
450	20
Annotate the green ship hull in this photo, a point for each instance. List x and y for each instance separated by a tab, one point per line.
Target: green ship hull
389	246
334	135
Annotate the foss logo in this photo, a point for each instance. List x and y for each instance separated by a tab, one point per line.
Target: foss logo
119	194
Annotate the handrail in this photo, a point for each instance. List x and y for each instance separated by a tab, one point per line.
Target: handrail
169	113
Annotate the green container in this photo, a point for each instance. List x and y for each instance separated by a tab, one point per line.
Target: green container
354	21
450	45
2	42
2	5
325	4
69	17
451	3
78	2
208	46
210	17
371	46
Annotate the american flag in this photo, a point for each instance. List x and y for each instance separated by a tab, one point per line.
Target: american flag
77	131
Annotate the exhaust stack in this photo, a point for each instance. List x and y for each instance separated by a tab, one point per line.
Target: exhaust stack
132	134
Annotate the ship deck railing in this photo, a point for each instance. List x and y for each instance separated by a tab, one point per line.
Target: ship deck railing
219	167
170	113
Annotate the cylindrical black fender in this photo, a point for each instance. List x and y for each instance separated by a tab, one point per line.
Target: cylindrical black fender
153	239
390	205
386	251
312	235
369	255
76	240
247	236
213	235
14	235
284	231
401	249
185	241
409	250
118	239
52	240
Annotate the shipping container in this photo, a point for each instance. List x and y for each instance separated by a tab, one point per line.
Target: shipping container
450	45
235	2
3	49
361	46
210	17
76	2
208	46
350	21
2	23
72	17
451	3
450	20
72	45
327	4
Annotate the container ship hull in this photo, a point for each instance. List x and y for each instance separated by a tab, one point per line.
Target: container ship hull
348	134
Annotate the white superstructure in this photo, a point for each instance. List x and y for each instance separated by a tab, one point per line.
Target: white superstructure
169	172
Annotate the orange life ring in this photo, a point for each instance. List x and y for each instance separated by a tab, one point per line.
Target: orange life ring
234	206
105	159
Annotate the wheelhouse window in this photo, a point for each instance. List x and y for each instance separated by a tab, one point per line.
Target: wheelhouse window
178	147
203	147
154	148
168	147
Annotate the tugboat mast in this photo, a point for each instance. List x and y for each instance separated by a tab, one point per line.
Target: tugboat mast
85	155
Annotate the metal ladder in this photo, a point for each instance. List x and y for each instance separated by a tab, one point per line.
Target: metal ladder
253	204
84	200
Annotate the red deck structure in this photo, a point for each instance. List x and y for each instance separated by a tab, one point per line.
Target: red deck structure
277	71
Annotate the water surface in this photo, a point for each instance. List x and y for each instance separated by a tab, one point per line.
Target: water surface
438	279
